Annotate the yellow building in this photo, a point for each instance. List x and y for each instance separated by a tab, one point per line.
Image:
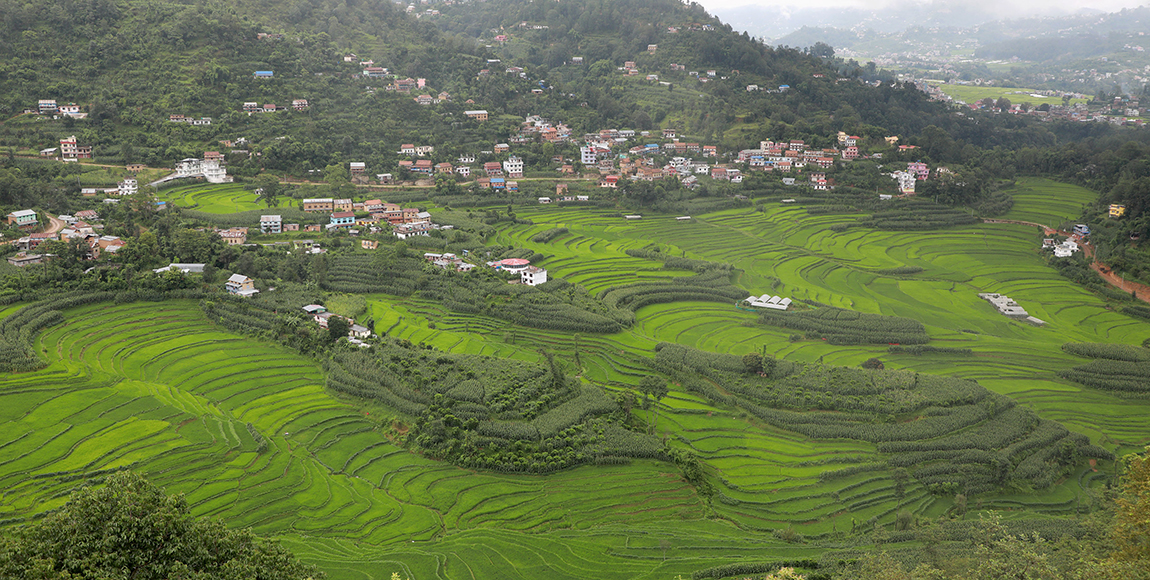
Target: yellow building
1117	211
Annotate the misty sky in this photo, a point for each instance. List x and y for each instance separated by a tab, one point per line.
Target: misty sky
1035	6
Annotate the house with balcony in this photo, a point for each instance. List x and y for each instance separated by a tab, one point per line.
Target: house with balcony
271	224
513	167
24	219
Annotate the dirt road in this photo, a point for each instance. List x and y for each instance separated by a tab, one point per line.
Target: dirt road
1141	291
54	225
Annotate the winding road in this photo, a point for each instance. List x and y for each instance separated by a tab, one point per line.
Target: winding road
1141	291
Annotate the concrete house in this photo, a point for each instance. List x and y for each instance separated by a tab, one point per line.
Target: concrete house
24	219
241	285
319	204
533	276
271	224
341	219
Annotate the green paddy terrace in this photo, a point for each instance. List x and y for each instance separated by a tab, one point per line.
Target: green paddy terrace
158	389
213	198
785	251
150	386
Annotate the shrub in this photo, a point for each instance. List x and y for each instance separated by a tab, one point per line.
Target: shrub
841	326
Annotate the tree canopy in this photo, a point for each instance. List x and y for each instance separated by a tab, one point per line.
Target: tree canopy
131	529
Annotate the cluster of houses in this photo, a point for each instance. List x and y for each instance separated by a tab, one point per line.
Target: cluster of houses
251	107
129	186
71	149
78	227
356	333
1008	307
49	107
528	274
427	100
404	85
1068	247
448	261
177	118
1120	111
405	222
211	169
1063	249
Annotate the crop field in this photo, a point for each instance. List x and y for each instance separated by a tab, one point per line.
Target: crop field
973	94
247	431
149	387
1047	202
213	198
786	252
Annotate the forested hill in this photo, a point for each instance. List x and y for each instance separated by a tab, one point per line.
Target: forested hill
613	30
131	63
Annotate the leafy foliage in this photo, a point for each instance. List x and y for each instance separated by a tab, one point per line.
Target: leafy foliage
955	435
1122	352
486	413
917	214
129	529
920	349
711	283
839	326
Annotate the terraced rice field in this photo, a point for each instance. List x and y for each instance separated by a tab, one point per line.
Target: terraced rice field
784	251
1047	202
157	388
212	198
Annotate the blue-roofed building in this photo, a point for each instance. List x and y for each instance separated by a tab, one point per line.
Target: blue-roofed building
263	74
498	183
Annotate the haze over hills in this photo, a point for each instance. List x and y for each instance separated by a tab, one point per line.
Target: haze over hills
1082	53
775	22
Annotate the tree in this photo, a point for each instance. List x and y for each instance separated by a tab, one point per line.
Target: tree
900	476
653	389
882	566
872	363
1005	556
337	328
1131	526
131	529
268	189
1002	104
753	362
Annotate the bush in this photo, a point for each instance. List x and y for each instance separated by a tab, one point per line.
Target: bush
900	271
1123	352
844	327
548	235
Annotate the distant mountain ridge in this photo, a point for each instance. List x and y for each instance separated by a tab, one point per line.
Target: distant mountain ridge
1032	38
